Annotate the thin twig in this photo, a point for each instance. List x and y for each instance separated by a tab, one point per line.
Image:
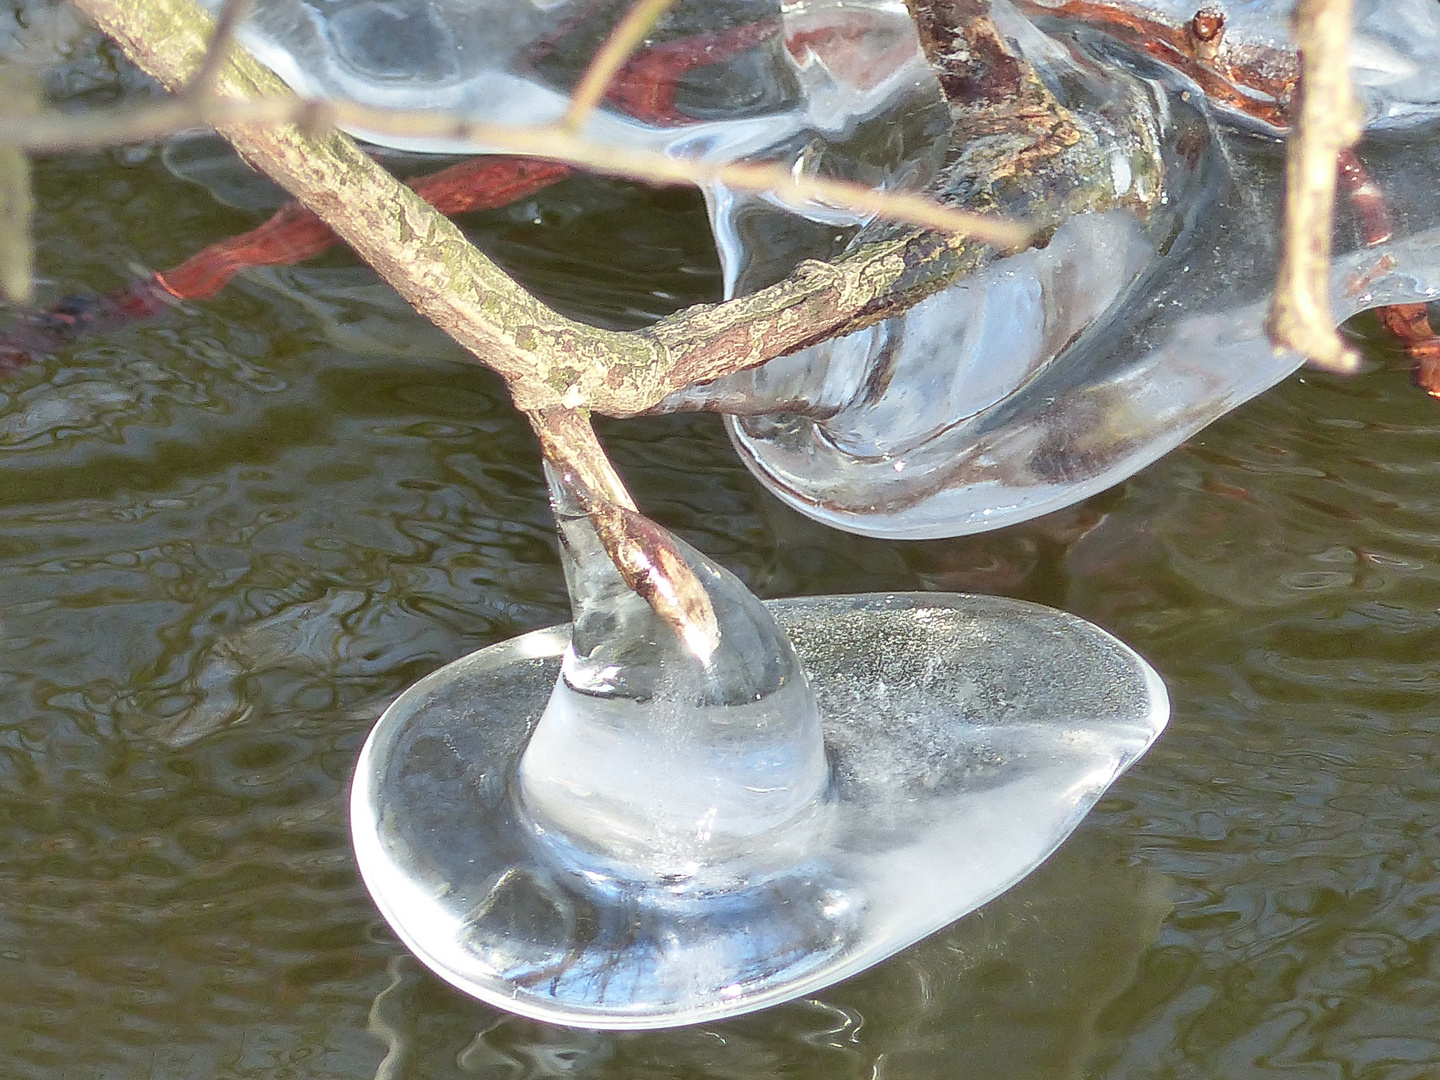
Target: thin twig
642	552
412	246
232	13
55	133
17	244
1328	122
568	440
21	92
629	32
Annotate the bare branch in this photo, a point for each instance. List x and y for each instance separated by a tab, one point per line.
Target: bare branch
1328	123
94	129
548	361
629	32
55	133
232	13
415	248
568	441
20	91
17	246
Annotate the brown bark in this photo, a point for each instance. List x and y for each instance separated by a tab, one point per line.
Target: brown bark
1328	122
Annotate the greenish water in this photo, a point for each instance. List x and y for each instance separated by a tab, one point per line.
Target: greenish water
229	536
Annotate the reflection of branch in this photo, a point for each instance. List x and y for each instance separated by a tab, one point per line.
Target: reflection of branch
623	41
1327	123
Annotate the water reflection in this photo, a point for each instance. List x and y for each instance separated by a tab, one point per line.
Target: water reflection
1300	530
1016	991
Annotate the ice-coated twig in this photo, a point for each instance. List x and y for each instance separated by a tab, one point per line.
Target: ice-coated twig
641	552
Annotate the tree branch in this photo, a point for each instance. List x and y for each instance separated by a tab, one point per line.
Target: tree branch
643	553
547	360
420	252
1328	122
17	200
553	365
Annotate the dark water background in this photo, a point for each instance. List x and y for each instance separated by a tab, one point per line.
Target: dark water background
229	536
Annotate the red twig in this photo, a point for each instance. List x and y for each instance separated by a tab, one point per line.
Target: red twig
292	235
646	88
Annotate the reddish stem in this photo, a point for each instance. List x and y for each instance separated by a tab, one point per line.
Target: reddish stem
645	88
292	235
1409	324
1367	199
295	234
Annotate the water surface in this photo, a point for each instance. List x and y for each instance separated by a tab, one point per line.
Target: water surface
228	537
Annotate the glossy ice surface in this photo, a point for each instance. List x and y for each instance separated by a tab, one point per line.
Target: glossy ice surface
1178	351
707	817
664	754
1393	51
1040	380
828	87
1053	374
967	736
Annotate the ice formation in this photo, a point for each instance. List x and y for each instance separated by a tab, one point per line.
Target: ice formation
1040	378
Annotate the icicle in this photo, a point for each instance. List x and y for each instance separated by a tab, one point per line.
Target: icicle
674	748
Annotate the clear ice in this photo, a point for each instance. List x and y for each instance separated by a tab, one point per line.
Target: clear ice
1036	381
661	755
1050	375
645	819
964	739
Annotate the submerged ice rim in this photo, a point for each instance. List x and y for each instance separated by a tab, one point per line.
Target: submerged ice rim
1050	711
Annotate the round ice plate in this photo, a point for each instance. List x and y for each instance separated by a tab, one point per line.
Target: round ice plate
967	737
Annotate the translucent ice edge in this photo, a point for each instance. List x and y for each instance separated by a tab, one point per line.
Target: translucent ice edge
292	39
1394	53
494	95
968	737
1058	440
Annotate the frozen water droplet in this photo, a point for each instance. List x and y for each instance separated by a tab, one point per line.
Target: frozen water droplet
665	752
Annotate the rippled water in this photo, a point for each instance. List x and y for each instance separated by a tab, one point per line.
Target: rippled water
228	537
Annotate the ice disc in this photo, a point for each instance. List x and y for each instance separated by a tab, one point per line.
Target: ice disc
966	737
